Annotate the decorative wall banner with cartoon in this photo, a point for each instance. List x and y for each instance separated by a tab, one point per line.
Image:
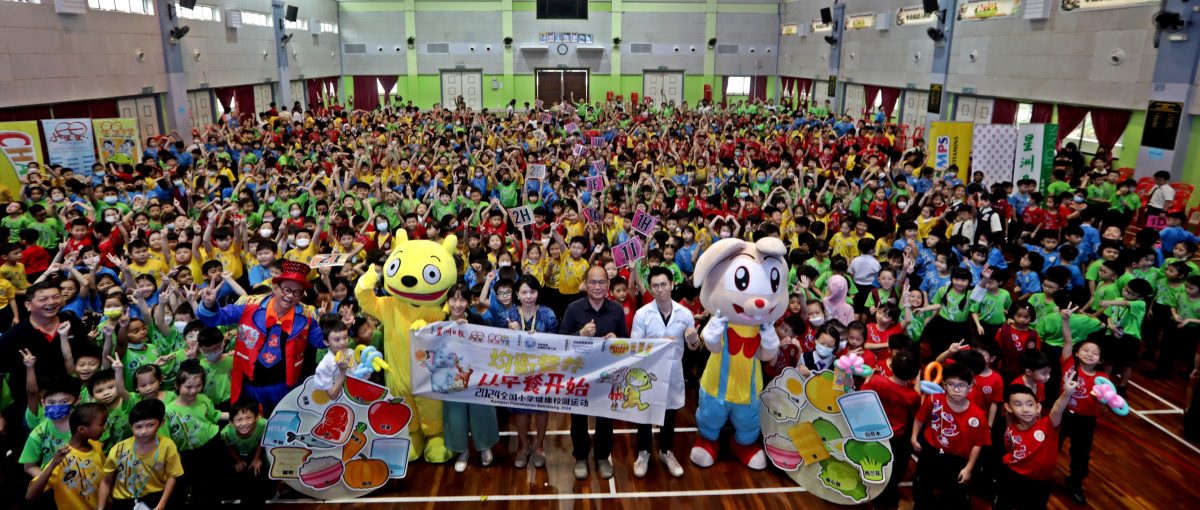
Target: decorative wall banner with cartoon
338	448
988	9
117	140
831	440
950	144
21	144
615	378
71	143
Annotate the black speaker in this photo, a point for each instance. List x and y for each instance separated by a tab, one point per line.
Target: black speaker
931	5
292	11
187	4
827	15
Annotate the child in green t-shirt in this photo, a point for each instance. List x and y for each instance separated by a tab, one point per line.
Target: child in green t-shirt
243	437
217	364
107	388
192	421
138	351
1106	286
1125	318
988	313
52	431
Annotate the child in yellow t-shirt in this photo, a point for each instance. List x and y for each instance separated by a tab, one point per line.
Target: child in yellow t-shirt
141	262
145	467
226	251
572	268
75	471
10	313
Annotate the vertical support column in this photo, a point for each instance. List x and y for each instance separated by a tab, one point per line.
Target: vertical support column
615	55
283	86
710	54
835	59
175	106
410	30
1171	96
508	87
940	70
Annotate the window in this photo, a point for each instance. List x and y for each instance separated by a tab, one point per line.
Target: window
129	6
395	88
562	9
329	28
199	12
256	19
299	24
738	86
1084	137
1024	113
26	1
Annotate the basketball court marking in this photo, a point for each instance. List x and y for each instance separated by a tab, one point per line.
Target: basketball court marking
1155	395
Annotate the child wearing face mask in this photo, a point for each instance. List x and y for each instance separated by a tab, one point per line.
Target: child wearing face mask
217	364
822	355
52	431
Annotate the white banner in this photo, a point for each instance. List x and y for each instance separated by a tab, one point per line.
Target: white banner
992	150
1087	5
617	378
987	9
914	15
71	143
1035	152
860	21
817	27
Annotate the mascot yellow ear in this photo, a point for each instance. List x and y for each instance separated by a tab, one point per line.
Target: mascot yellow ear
450	243
401	237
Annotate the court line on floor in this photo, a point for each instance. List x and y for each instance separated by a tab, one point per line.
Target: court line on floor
556	497
511	433
1161	411
1141	414
1155	395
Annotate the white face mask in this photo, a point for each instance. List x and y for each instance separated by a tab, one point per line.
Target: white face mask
824	351
902	204
295	214
265	232
303	243
816	320
180	325
381	226
111	218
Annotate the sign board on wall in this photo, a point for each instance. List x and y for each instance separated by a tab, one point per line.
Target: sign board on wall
935	98
1035	153
71	144
992	149
988	9
950	144
22	145
860	21
914	15
832	91
790	29
1162	124
818	27
1087	5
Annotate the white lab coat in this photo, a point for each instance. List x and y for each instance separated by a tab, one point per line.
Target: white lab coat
648	323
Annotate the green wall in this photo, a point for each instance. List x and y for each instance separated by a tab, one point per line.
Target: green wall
1131	141
1191	168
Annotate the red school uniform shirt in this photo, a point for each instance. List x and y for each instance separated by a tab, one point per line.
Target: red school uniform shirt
951	432
988	390
1032	453
881	336
1039	391
900	402
1083	402
35	258
1012	343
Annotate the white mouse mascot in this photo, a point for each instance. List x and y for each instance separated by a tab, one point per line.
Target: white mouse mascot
744	287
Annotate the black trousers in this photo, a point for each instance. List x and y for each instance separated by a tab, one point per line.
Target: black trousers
151	500
581	441
1081	430
1016	492
204	468
1054	385
666	434
901	452
938	472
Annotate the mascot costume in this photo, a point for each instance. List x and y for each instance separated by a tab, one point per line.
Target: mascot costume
744	286
415	279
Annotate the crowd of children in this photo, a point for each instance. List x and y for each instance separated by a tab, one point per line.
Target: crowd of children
1025	294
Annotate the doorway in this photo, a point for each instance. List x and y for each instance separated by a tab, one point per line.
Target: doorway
145	110
468	84
663	87
555	85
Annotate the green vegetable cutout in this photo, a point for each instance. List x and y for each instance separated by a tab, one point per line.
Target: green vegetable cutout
870	456
827	430
840	476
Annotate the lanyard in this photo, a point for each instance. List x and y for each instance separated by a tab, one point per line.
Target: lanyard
532	327
137	494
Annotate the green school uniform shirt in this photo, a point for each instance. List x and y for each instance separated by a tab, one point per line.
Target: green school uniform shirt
15	224
1093	270
1169	294
954	304
43	441
1050	328
218	379
1188	309
917	326
993	307
1105	292
1056	188
884	298
192	426
1129	318
244	446
135	359
1128	202
821	280
1043	305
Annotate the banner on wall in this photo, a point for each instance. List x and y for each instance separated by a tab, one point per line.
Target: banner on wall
1087	5
817	27
950	144
22	145
914	15
790	29
993	147
988	9
71	143
1035	153
617	378
860	21
117	140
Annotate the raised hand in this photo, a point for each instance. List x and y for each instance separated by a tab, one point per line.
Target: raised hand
27	358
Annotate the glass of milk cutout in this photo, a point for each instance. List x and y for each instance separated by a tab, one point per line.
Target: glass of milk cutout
865	416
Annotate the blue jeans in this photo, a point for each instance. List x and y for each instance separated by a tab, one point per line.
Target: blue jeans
712	413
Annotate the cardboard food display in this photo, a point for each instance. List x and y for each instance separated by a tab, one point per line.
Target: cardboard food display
338	448
828	438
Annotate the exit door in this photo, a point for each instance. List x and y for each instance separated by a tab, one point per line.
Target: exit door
145	110
468	84
556	85
663	87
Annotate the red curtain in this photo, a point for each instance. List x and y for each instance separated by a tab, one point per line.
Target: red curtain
758	88
1042	113
1109	125
331	83
366	92
244	94
890	96
805	87
315	87
1069	118
225	97
25	113
1004	111
870	92
785	85
103	109
95	109
724	89
388	81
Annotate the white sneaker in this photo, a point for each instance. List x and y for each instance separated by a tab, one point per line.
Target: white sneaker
673	466
641	464
460	464
486	457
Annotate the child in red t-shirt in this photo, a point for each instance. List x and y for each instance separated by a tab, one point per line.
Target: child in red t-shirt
1037	371
1015	337
988	394
1079	424
887	323
900	402
856	338
950	445
1030	446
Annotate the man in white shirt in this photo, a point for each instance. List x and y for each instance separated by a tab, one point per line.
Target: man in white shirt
1161	195
663	318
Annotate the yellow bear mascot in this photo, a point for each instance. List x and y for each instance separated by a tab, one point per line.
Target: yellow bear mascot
415	277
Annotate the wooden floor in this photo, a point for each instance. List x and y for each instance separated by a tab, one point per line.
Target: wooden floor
1140	461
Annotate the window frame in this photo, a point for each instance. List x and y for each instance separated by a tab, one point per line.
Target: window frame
729	83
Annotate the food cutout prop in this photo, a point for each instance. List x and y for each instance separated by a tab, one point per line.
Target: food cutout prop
837	447
416	277
743	286
338	448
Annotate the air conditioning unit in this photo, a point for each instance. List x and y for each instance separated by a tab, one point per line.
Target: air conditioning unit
233	18
314	26
1037	9
883	20
70	6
